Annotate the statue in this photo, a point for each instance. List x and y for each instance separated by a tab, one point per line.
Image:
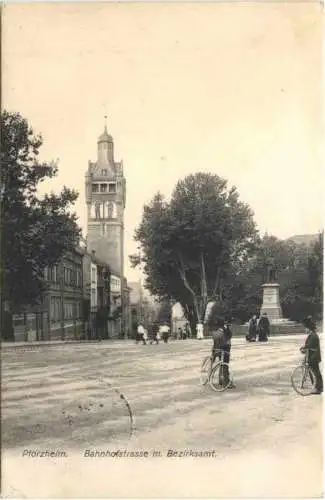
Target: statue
271	276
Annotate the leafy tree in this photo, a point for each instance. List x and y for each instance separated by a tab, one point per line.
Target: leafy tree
35	231
189	244
302	284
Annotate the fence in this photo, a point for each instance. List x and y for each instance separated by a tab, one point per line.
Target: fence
29	327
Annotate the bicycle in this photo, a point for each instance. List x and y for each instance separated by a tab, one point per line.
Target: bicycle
303	379
217	374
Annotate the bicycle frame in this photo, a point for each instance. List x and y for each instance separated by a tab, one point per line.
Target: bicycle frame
222	360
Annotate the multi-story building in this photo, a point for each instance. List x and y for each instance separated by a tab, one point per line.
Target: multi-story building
59	314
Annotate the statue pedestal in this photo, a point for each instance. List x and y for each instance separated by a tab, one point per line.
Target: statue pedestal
271	302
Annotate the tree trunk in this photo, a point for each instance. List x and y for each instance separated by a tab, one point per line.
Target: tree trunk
190	315
188	286
204	289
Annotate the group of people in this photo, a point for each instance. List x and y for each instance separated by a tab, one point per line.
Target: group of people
157	333
222	335
258	328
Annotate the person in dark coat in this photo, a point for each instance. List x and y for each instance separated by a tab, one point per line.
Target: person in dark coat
154	334
312	344
252	329
263	328
222	335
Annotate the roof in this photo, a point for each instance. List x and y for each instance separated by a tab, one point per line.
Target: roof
105	136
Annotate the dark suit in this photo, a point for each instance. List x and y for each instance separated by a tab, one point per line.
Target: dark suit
314	358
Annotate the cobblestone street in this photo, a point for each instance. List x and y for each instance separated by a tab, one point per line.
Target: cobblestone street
74	399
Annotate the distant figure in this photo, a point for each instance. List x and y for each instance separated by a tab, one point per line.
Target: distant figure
314	354
252	329
263	328
187	331
145	336
155	336
164	331
184	333
141	333
199	331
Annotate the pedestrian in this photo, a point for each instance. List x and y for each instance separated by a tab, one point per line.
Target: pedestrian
155	337
179	335
187	331
263	328
252	329
164	331
199	331
312	344
222	335
141	334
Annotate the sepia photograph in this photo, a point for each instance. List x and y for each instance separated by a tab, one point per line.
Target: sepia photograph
162	225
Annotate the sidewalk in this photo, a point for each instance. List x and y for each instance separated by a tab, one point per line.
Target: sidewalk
41	343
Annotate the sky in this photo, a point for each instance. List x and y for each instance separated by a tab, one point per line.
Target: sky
233	89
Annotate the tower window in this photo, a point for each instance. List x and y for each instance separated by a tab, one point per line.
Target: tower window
95	188
103	188
104	172
111	188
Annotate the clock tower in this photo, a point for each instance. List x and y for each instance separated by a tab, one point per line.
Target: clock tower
105	198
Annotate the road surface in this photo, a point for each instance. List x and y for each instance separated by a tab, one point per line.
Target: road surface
74	402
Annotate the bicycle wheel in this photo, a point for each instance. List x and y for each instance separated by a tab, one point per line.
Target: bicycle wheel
220	378
303	380
205	370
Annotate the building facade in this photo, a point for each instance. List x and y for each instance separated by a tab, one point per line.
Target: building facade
60	312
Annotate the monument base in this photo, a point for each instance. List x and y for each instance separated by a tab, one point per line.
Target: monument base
271	302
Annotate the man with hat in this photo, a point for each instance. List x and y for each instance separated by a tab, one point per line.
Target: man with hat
312	344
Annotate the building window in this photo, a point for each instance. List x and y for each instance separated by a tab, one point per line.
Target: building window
94	188
103	188
104	172
93	298
55	309
46	273
68	276
112	188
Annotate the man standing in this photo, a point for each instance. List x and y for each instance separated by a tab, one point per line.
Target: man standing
222	335
263	328
252	329
164	330
141	334
314	355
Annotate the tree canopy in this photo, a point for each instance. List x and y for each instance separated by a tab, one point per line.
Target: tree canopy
35	230
189	244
